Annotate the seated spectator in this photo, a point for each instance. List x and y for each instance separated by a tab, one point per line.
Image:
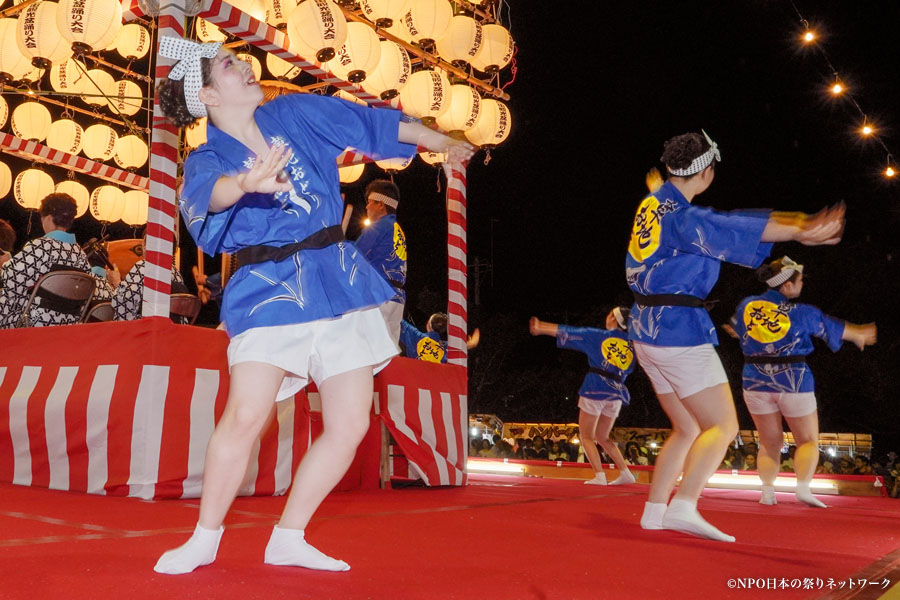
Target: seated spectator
844	467
496	448
506	450
787	463
633	455
539	450
750	462
475	447
127	301
486	448
556	453
56	250
861	466
825	466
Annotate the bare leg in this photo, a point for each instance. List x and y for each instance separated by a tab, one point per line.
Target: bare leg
806	459
601	434
587	423
771	438
670	461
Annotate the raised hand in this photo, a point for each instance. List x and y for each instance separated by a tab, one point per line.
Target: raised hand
458	152
263	177
824	228
861	335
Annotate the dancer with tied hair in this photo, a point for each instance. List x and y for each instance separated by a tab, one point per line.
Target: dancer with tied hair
304	303
672	263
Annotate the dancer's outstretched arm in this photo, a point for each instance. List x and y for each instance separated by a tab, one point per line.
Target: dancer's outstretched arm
861	335
821	229
538	327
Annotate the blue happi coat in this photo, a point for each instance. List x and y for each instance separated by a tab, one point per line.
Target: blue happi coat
422	345
312	284
772	325
678	248
607	350
384	246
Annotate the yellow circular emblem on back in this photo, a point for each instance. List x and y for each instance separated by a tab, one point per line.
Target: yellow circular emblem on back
617	352
765	321
399	242
645	231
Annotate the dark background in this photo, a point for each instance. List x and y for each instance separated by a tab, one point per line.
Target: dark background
599	87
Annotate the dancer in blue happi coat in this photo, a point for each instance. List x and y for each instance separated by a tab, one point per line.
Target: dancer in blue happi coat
304	303
673	261
603	392
776	336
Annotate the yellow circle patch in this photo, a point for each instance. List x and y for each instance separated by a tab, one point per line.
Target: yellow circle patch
399	242
765	321
429	350
617	353
646	229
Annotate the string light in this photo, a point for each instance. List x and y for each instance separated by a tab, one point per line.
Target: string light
837	89
809	37
890	171
867	130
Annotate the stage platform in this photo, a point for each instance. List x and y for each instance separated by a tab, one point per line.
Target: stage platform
498	537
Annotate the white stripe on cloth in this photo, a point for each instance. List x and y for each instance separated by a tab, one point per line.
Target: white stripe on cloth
146	431
18	424
96	428
429	435
462	432
55	428
203	422
450	432
397	411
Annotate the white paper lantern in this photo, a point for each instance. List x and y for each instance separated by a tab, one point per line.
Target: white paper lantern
38	36
426	95
32	186
280	68
358	56
207	32
99	86
131	152
31	121
254	63
427	20
107	203
433	158
4	112
496	51
65	135
392	72
392	165
278	11
195	134
349	97
351	173
399	31
13	63
462	40
137	207
35	74
316	29
128	99
99	142
133	41
68	77
384	12
89	24
493	124
5	180
80	193
254	8
465	104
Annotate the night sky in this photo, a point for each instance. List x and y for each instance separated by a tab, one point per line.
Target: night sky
600	86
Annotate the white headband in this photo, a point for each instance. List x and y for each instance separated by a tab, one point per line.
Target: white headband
701	162
378	197
788	268
188	55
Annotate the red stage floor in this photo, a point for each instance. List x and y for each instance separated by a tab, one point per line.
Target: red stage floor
500	537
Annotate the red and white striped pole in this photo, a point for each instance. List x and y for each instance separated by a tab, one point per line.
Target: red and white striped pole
163	171
457	270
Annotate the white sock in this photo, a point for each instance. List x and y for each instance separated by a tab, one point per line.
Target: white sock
768	495
804	495
625	477
599	479
198	551
289	548
653	515
682	516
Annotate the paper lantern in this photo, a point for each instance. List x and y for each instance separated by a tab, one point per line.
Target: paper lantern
358	56
493	124
68	77
254	63
351	173
5	180
133	41
128	98
132	152
392	72
392	165
107	203
99	88
278	11
32	186
4	112
384	12
433	158
195	134
80	193
349	97
462	40
13	64
31	121
496	51
316	29
35	74
207	32
427	20
65	135
89	24
426	95
254	8
280	68
399	30
465	104
99	142
38	36
137	207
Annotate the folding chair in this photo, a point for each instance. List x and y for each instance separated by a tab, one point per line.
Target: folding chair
65	292
186	306
99	312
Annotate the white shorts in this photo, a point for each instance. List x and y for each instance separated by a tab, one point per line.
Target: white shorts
684	370
787	403
393	314
317	350
598	408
